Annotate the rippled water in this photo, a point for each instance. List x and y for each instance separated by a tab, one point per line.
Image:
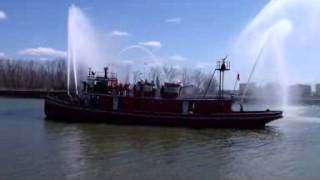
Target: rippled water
33	148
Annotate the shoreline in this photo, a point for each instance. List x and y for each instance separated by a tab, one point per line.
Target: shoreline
42	93
30	93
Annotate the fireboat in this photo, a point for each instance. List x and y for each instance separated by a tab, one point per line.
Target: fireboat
104	100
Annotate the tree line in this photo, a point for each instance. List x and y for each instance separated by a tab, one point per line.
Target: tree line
33	74
52	75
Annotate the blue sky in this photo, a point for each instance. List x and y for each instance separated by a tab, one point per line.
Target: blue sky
195	33
198	31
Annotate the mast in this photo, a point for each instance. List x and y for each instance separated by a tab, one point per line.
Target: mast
222	66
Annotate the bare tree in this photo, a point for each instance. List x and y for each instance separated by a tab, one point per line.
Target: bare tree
185	76
136	76
154	73
32	74
169	73
51	74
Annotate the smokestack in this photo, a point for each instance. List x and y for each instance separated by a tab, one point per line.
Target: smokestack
106	72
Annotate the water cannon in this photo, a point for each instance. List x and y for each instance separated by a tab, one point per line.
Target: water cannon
91	73
223	65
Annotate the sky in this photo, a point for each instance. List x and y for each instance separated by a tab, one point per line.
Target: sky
189	30
193	33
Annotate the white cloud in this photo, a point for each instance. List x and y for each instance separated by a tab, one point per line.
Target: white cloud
43	51
177	58
3	15
118	33
174	20
155	44
2	54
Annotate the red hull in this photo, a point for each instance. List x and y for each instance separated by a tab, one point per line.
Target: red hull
56	109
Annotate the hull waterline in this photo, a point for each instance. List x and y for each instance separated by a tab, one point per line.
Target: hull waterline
61	111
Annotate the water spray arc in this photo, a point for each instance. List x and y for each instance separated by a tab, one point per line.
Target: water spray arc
143	49
259	57
274	37
155	59
296	30
68	71
85	48
71	54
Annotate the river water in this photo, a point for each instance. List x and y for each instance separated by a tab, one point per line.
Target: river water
33	148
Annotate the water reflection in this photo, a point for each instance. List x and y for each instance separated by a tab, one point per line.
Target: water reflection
129	152
33	148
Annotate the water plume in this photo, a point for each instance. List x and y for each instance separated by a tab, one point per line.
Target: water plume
155	61
84	47
289	29
147	51
272	43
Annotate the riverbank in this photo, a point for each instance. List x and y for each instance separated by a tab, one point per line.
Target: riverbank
28	93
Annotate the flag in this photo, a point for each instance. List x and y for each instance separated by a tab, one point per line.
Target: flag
238	77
